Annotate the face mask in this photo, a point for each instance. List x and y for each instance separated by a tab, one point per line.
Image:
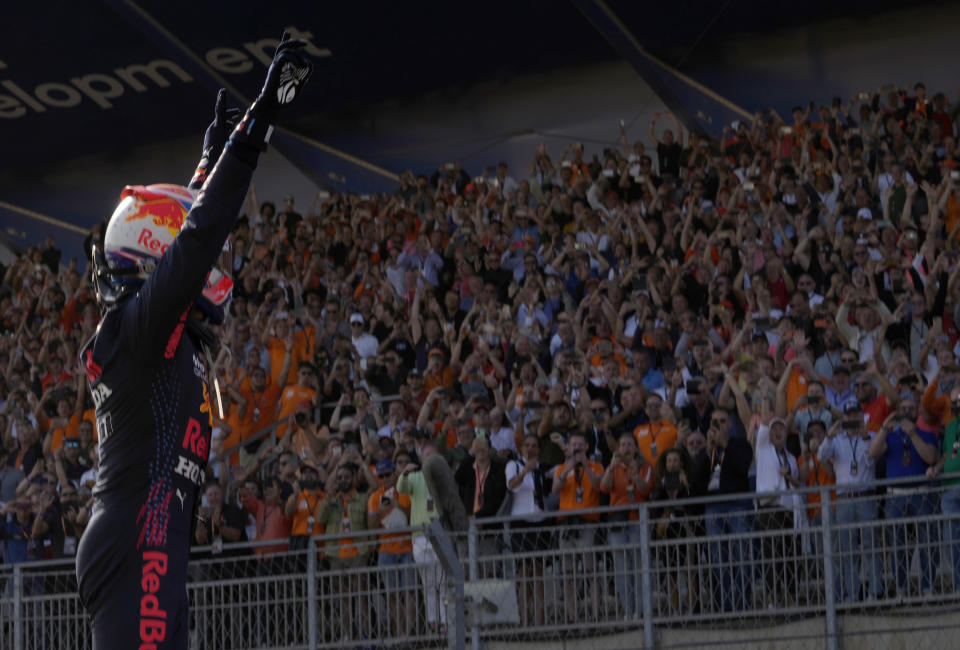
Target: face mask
309	484
343	486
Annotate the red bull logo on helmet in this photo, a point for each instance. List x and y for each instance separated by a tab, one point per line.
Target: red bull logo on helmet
165	205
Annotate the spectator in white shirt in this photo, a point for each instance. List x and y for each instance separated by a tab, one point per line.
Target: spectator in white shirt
364	343
856	502
777	473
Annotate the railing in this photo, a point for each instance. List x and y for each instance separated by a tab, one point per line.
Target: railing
869	568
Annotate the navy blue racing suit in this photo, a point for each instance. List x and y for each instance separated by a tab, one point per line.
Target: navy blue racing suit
149	387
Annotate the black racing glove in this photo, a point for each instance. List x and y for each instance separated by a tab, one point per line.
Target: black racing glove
289	71
224	119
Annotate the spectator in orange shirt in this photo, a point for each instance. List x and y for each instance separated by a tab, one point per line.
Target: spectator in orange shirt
234	411
577	482
272	523
388	509
628	480
437	373
814	473
67	420
657	435
278	345
56	375
303	506
293	396
262	399
936	397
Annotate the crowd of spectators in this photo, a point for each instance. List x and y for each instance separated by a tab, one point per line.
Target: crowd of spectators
670	317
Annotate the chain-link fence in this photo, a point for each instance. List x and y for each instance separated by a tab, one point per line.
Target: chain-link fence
880	568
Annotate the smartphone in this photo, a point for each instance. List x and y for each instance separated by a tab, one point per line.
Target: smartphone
955	175
535	404
748	186
786	130
448	166
863	96
580	246
858	367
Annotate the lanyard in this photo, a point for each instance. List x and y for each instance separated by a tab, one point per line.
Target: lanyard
578	474
346	515
713	458
853	446
905	441
312	507
782	457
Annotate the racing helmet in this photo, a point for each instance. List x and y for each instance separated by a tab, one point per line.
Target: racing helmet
139	232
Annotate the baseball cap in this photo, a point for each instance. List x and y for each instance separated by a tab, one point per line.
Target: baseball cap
385	466
778	421
437	350
851	406
356	317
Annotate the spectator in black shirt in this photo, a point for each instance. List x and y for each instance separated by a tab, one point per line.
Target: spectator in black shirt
668	150
722	468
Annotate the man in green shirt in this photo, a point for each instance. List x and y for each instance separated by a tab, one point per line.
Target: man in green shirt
423	510
950	464
344	511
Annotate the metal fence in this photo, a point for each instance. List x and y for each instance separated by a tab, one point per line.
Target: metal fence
873	569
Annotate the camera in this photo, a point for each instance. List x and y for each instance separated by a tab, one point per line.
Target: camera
850	425
300	417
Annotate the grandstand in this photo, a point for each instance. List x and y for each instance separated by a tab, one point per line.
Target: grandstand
686	359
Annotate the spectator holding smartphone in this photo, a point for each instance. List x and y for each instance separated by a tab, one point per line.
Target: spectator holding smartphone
722	468
386	509
909	449
856	503
577	482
